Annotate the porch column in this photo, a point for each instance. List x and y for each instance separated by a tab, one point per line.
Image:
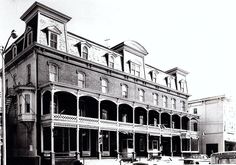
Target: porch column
133	127
52	129
99	132
180	122
42	149
52	154
147	132
160	145
171	146
117	131
77	129
181	148
148	145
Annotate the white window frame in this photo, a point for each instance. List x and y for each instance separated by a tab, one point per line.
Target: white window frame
81	80
135	69
84	51
53	75
141	95
165	101
104	86
53	41
111	62
154	76
155	99
173	103
182	84
124	89
183	106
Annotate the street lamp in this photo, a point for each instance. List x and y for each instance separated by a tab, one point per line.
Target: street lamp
4	151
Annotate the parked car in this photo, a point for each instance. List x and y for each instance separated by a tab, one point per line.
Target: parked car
197	159
159	160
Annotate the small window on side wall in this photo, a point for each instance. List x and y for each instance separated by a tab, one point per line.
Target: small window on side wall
104	86
53	72
81	80
124	90
141	95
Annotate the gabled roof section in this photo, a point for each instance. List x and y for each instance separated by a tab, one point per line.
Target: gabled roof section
130	44
53	29
38	7
177	70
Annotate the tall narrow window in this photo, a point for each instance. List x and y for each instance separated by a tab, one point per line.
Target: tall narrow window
195	111
29	38
85	52
124	90
6	86
27	103
173	103
165	103
182	105
154	76
53	72
135	69
168	81
155	99
53	40
81	80
141	95
111	61
28	73
14	51
104	86
141	144
182	85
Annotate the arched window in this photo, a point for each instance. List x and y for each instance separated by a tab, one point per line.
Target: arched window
124	90
85	52
81	80
104	86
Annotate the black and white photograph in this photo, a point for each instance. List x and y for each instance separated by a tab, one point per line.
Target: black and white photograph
117	82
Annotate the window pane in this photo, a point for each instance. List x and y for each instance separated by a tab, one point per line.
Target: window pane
81	80
27	103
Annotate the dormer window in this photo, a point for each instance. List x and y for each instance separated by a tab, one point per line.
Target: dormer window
14	51
154	76
52	34
111	62
182	84
168	81
53	40
135	69
85	52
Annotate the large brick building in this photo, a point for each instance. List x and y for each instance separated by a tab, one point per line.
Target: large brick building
70	97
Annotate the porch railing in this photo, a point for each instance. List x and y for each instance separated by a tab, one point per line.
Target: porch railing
125	126
108	123
68	118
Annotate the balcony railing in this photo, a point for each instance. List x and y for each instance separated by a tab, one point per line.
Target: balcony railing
88	121
125	126
108	124
26	117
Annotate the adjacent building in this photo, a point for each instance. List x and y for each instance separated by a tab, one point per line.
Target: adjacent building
69	97
217	123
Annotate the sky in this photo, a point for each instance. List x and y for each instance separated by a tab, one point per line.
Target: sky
196	36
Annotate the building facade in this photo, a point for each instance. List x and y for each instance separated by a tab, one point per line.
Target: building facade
217	123
70	97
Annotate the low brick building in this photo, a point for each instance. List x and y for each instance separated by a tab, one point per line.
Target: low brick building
69	97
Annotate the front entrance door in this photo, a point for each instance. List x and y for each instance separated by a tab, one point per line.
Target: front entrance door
105	143
127	147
